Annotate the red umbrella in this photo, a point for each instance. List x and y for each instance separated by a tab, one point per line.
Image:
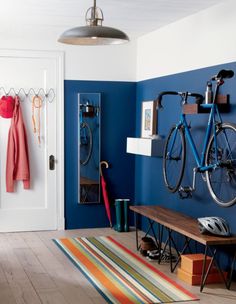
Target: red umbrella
104	192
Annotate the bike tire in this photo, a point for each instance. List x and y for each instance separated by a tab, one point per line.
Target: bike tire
86	149
221	181
173	167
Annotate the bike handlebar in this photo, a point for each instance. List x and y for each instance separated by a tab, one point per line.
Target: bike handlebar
222	74
184	95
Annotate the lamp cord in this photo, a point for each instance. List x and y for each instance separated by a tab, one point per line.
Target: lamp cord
94	10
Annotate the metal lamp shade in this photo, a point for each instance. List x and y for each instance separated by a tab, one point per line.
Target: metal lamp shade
93	35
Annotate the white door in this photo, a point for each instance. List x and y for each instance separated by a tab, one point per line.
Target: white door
40	207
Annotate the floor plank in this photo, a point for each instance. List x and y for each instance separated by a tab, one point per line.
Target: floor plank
19	286
34	271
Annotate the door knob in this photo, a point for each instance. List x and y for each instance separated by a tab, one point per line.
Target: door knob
51	162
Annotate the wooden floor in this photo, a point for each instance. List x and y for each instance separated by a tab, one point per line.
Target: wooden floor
33	271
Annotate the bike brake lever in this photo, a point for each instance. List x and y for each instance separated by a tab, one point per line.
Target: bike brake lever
158	103
159	106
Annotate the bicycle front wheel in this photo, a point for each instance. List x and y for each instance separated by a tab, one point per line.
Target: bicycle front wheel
174	159
221	180
86	143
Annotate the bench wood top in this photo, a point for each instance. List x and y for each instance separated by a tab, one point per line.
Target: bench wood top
182	224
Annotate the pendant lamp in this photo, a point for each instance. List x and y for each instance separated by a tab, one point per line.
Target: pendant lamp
94	33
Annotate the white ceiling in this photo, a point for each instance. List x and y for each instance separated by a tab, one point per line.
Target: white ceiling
48	18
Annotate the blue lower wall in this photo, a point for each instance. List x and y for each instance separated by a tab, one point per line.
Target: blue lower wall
149	183
118	106
138	177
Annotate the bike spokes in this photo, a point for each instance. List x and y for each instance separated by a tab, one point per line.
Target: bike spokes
174	159
221	180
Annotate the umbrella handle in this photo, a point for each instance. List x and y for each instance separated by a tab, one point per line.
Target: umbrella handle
103	162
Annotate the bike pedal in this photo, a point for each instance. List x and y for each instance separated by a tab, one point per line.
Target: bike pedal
185	192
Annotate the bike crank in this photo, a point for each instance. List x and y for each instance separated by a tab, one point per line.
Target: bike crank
187	192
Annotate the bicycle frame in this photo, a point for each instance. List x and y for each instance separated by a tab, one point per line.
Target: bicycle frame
211	126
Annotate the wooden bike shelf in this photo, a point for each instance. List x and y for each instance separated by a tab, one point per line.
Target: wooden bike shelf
222	102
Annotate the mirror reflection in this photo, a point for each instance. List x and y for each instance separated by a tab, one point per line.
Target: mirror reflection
89	147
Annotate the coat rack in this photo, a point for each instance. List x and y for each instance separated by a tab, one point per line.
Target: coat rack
30	93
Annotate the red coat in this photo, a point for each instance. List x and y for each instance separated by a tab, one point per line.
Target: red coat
17	166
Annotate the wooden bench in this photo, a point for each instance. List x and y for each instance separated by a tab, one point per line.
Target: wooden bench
187	226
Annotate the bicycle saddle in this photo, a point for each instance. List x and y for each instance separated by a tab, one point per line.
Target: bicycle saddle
223	74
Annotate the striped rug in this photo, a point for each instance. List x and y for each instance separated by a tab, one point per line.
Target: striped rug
118	274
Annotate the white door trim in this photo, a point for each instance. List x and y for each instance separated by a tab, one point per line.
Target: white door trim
59	59
60	143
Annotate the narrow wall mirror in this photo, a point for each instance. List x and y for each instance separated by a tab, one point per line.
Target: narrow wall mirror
89	117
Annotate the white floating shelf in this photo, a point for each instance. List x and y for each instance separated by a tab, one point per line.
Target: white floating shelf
145	146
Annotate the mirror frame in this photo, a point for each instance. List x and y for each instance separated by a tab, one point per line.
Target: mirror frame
93	99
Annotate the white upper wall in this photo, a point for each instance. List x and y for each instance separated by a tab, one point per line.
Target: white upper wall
200	40
203	39
113	63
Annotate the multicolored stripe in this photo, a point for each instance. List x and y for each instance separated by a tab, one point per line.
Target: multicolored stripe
118	274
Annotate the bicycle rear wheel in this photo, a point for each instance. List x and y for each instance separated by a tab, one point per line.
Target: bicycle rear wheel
174	159
86	143
221	181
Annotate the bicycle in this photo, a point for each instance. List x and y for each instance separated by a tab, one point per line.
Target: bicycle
86	138
218	157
